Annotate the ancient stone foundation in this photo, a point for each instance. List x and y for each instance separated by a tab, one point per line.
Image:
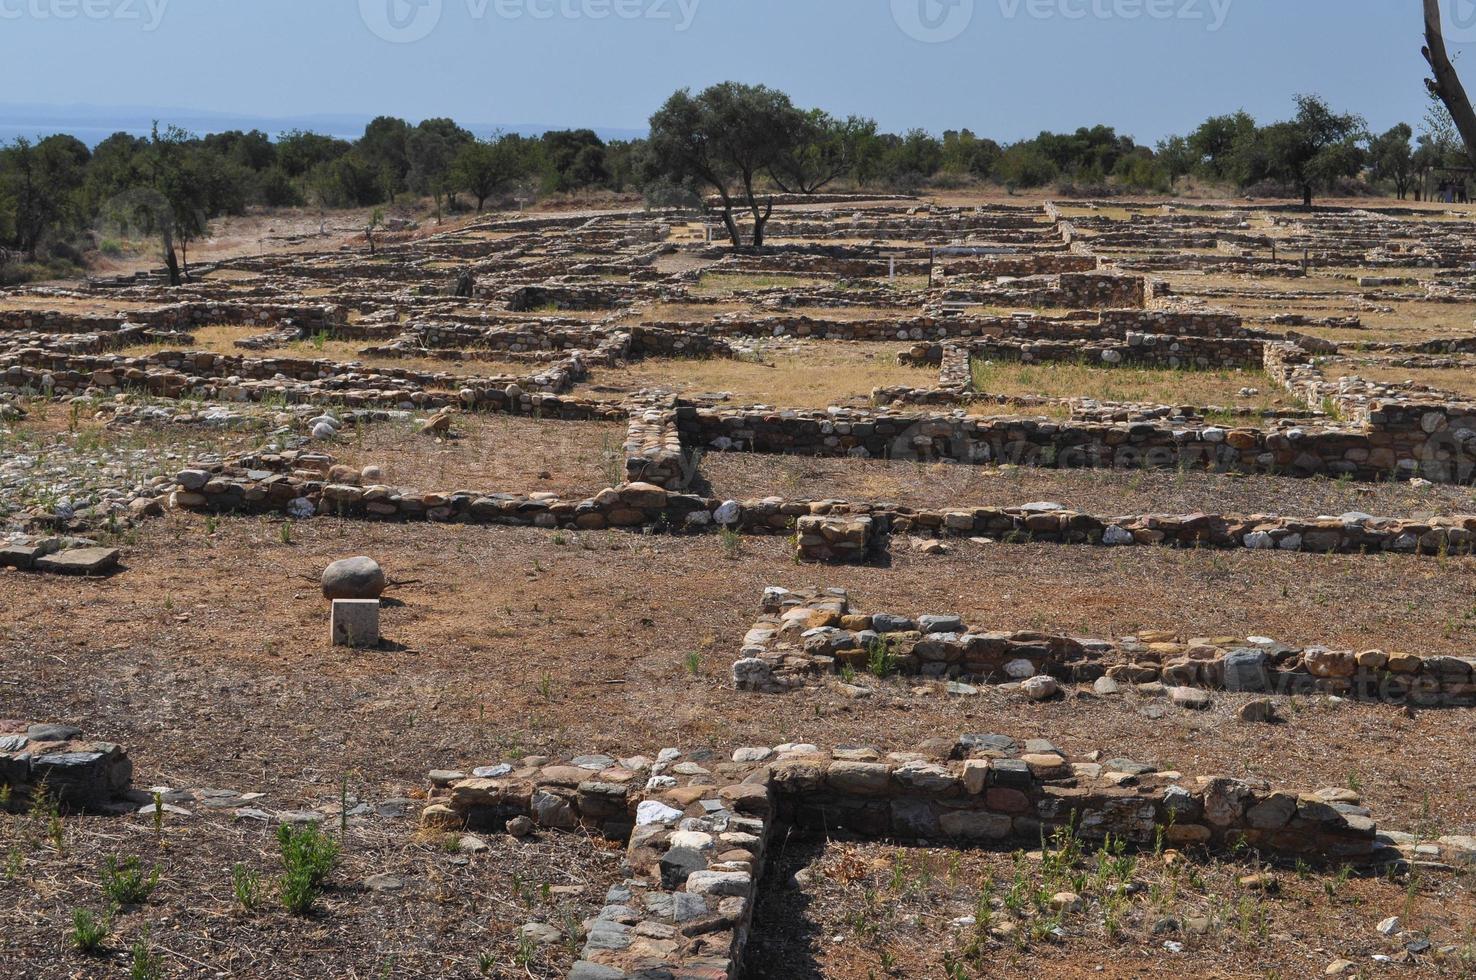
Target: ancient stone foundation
699	825
56	762
810	635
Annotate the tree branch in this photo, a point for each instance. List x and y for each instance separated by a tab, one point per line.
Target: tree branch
1447	84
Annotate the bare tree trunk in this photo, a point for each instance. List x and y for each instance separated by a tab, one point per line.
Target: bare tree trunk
760	222
1447	84
760	218
728	222
171	261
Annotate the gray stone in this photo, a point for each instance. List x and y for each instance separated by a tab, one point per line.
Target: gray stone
355	623
19	556
541	934
915	819
887	623
925	777
1012	773
604	934
1272	813
489	772
1261	711
1128	766
975	825
353	578
720	884
754	754
553	811
939	624
678	864
978	746
655	812
1190	698
1245	671
52	733
80	561
687	906
384	883
1020	670
1041	688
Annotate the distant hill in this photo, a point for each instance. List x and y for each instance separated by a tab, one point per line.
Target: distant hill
93	123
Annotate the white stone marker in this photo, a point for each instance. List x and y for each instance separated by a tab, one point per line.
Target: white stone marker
355	622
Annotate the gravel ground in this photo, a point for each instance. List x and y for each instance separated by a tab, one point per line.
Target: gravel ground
1108	492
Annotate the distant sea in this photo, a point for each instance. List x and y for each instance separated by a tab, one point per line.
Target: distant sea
93	124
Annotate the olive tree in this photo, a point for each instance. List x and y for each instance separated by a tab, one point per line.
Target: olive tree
483	169
725	138
1314	148
170	199
823	149
1393	159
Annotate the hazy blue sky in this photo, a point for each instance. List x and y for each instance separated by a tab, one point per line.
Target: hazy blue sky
1149	67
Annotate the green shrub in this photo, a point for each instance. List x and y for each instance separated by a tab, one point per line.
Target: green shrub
879	660
246	886
126	884
146	964
308	857
88	931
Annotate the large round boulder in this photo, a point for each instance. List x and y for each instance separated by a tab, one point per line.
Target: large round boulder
353	578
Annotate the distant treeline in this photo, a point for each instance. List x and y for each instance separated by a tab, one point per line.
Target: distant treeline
59	198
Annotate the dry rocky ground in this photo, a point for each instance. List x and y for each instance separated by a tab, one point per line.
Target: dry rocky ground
207	656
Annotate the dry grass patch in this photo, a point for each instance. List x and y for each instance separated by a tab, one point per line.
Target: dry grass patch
872	910
730	283
1106	492
101	305
1460	380
1129	384
222	340
805	375
492	454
